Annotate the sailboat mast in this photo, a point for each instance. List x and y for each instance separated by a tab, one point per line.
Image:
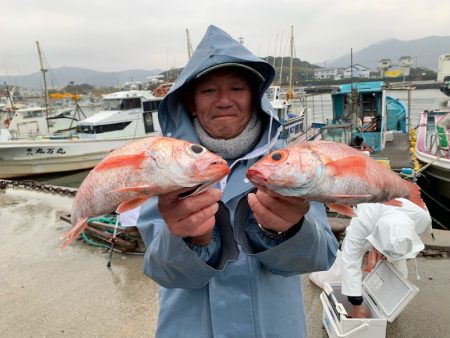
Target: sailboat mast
189	44
292	57
43	70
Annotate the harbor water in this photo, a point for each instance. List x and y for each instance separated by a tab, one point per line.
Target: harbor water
321	107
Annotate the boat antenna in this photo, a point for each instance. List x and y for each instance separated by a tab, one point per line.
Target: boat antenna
43	70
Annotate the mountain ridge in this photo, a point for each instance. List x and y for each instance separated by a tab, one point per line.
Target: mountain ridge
424	51
62	76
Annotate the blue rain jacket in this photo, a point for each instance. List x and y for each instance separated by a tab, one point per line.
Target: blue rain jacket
244	283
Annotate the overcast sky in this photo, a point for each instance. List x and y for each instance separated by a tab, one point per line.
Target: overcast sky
146	34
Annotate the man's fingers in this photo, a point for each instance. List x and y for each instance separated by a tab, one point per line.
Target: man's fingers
287	208
195	224
173	208
266	217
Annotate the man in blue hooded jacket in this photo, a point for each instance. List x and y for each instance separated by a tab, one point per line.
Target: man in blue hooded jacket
229	259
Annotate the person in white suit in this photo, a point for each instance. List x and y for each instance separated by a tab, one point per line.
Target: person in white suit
393	231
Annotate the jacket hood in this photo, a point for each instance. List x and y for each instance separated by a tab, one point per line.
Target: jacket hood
217	47
396	238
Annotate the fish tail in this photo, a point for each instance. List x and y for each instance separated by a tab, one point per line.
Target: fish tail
414	195
74	232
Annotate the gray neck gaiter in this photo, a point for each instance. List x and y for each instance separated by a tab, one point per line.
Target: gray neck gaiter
232	148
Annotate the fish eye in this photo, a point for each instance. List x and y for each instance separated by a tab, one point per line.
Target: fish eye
197	149
278	156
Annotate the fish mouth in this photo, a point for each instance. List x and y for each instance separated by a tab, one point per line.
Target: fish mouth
214	169
208	172
197	189
256	176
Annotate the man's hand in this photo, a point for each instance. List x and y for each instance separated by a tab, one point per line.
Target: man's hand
360	311
277	213
191	217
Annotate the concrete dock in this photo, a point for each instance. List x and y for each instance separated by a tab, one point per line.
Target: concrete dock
397	151
48	293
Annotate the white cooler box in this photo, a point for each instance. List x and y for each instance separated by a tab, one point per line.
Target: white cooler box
386	293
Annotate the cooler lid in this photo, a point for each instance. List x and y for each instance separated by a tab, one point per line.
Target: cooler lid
388	289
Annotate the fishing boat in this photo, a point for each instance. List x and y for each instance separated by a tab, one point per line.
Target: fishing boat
124	117
432	152
295	118
364	109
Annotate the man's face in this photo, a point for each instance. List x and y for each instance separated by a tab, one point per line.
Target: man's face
222	103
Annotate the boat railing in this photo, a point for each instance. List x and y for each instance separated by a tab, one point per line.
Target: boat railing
438	147
14	136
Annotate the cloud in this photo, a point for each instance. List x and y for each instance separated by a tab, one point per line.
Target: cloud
148	34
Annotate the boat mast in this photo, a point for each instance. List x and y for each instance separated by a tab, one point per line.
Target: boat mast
10	98
43	70
189	44
290	93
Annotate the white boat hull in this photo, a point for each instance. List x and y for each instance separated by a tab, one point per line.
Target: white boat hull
436	161
26	158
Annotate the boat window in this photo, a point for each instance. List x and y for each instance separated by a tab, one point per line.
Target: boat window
130	103
105	128
121	104
34	113
85	129
111	104
151	105
148	122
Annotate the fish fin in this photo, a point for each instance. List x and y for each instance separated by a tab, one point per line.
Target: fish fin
134	189
351	196
352	165
342	209
131	204
74	232
393	203
134	161
414	195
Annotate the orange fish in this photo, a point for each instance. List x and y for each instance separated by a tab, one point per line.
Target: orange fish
133	173
332	173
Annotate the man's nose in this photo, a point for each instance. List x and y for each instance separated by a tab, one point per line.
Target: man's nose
223	97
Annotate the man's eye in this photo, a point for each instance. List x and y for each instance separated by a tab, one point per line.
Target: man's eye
207	90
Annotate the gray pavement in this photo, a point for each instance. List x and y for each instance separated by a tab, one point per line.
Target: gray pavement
48	293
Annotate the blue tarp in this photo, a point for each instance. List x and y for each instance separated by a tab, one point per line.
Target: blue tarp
396	114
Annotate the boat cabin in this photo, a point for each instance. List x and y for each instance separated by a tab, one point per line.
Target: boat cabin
369	112
123	114
28	122
293	123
